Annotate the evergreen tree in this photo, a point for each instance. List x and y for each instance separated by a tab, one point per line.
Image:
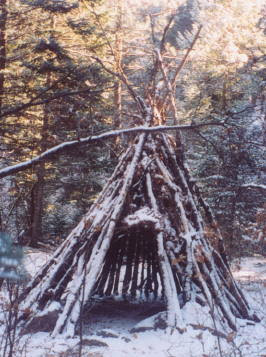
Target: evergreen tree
49	64
225	88
57	97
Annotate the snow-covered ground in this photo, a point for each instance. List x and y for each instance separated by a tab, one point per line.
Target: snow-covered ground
121	329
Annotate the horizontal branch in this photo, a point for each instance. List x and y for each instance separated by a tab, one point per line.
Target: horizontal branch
49	154
254	185
35	102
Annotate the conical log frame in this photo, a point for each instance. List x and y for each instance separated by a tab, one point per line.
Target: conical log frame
144	238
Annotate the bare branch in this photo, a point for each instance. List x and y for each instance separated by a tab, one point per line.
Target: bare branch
207	140
180	67
162	49
254	185
64	147
99	23
168	84
182	63
152	29
162	44
124	79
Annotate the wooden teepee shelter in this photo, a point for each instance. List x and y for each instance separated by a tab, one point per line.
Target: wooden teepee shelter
146	236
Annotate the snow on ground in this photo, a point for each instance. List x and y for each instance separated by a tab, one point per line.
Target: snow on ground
250	269
34	259
122	329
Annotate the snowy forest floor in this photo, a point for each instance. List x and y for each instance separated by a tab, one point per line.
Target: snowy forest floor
124	329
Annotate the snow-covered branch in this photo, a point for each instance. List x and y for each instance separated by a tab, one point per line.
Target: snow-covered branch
48	154
254	185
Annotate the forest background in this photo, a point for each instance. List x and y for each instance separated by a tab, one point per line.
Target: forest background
52	90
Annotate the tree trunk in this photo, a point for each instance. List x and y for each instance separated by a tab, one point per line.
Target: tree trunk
118	62
3	20
118	56
37	194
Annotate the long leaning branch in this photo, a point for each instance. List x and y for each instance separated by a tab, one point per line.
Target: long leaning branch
61	148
